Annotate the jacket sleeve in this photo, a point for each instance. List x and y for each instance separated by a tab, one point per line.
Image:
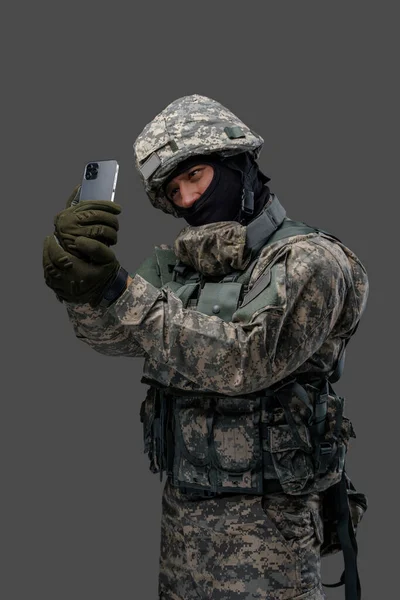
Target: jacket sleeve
269	337
98	327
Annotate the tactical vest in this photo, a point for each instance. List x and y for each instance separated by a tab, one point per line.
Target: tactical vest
291	437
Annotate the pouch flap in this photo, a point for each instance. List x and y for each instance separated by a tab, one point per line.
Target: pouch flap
219	299
281	439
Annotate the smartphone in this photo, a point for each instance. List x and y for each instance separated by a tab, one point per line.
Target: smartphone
99	180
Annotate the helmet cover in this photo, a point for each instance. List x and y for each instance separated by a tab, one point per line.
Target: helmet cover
189	126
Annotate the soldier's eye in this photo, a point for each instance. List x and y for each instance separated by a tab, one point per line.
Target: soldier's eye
194	172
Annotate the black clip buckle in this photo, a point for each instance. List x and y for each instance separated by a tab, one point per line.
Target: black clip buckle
325	448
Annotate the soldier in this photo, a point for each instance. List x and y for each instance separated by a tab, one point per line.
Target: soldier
243	325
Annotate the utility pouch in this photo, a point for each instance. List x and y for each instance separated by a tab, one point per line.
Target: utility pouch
147	418
219	299
288	451
287	444
217	444
153	415
331	432
306	453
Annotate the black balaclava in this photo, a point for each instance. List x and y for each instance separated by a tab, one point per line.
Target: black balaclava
222	200
255	193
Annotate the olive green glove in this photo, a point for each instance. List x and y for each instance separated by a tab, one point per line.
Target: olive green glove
95	219
75	279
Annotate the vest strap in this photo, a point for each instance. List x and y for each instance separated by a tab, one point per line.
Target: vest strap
186	292
270	486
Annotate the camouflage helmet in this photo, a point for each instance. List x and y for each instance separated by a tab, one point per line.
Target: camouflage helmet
189	126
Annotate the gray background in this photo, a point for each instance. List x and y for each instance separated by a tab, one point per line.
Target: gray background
80	509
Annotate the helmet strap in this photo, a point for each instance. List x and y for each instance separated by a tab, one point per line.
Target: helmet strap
247	207
249	175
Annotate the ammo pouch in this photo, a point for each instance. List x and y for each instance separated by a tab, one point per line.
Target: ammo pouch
259	443
305	437
206	444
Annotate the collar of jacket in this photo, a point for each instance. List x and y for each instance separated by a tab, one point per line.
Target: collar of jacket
226	246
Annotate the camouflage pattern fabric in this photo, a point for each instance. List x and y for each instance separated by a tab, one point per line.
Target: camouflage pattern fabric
233	547
188	126
318	294
240	547
213	249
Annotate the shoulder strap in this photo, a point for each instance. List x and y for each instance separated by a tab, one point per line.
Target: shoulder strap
289	229
272	225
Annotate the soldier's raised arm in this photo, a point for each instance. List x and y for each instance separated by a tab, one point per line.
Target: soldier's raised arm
293	314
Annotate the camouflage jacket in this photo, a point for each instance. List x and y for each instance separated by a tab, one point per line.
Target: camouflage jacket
320	292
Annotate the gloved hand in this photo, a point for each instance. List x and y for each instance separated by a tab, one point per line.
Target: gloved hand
95	219
75	279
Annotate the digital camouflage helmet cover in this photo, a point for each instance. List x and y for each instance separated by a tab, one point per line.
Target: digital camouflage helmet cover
189	126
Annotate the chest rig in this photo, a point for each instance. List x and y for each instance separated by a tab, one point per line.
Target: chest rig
291	437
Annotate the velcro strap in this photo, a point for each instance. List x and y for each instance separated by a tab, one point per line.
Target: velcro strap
115	288
150	165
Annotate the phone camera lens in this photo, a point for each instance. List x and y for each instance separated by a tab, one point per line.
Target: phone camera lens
91	171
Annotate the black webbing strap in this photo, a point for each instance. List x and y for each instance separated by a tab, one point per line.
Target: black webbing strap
270	486
347	540
262	227
162	408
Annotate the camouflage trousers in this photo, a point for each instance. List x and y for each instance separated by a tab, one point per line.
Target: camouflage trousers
240	547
